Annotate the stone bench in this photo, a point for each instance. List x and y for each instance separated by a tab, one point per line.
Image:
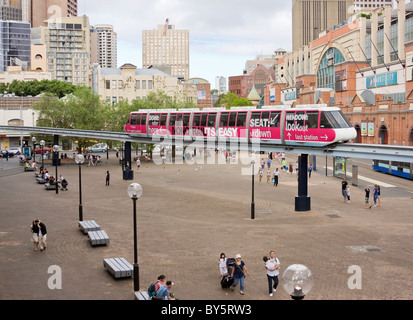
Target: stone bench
98	238
37	174
142	295
89	225
118	267
27	169
41	181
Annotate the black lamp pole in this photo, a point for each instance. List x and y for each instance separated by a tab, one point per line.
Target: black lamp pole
253	185
135	240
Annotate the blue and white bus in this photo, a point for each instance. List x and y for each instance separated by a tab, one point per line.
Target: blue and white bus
399	169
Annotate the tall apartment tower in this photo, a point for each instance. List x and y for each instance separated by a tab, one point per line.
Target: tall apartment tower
67	42
167	49
104	45
11	10
42	10
310	17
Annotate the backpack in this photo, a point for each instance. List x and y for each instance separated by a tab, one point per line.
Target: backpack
151	290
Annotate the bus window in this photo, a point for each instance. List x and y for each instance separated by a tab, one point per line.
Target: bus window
255	119
133	120
197	120
275	119
204	119
232	119
224	119
242	120
164	116
211	119
312	120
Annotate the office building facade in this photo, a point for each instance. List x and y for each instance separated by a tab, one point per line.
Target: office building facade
14	44
39	11
166	47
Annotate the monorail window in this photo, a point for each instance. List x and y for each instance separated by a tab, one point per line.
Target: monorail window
289	120
212	117
143	121
242	119
333	119
172	120
186	119
232	119
204	119
275	119
312	120
255	119
197	120
164	116
224	119
299	120
154	119
265	117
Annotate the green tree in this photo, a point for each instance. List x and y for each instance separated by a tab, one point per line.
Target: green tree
231	100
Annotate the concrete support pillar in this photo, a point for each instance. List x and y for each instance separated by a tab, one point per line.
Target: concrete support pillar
374	26
303	201
387	23
401	11
128	173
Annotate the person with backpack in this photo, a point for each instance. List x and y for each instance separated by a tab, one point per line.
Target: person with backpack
164	292
154	287
238	273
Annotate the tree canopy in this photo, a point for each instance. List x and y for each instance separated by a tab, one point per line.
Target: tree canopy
230	99
35	88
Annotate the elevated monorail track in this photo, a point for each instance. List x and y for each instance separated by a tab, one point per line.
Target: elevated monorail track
347	150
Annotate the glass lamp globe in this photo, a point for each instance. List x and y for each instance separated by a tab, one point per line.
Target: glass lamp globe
79	158
135	191
55	148
297	281
34	139
42	143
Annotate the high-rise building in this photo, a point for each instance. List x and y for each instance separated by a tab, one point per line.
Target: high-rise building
366	5
11	10
104	46
67	42
311	17
221	84
14	44
41	10
166	47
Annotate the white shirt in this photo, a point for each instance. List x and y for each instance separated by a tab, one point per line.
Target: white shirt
270	264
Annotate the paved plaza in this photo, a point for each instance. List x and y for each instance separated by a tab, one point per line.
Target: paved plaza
189	214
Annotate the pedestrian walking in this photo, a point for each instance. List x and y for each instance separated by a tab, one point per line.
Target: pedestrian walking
284	164
262	164
290	169
272	266
42	234
239	271
276	175
269	162
378	195
348	193
310	169
367	198
268	175
375	194
107	178
138	164
222	264
344	185
260	174
34	228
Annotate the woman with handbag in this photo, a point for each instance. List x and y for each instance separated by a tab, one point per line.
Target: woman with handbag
238	273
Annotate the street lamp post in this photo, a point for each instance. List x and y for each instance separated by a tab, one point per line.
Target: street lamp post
252	191
42	144
79	160
135	191
34	148
55	156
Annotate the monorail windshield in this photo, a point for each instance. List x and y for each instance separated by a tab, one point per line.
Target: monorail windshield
334	120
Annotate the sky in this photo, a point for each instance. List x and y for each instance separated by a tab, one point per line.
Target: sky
223	34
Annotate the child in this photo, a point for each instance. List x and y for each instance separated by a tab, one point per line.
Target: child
367	198
107	178
223	269
348	193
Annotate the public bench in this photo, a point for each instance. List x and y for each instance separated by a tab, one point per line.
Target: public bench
89	225
29	169
98	238
50	186
118	267
142	295
41	181
37	174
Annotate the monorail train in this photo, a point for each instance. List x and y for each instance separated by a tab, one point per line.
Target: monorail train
313	125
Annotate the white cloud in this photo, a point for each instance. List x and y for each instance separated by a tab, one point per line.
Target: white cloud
223	34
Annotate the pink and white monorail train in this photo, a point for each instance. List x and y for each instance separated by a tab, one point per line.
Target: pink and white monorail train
313	125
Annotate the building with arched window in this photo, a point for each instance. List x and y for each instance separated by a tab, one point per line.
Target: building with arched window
364	66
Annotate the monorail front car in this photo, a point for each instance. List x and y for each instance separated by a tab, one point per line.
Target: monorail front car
311	126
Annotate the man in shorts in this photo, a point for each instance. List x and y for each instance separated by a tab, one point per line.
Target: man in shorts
344	185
